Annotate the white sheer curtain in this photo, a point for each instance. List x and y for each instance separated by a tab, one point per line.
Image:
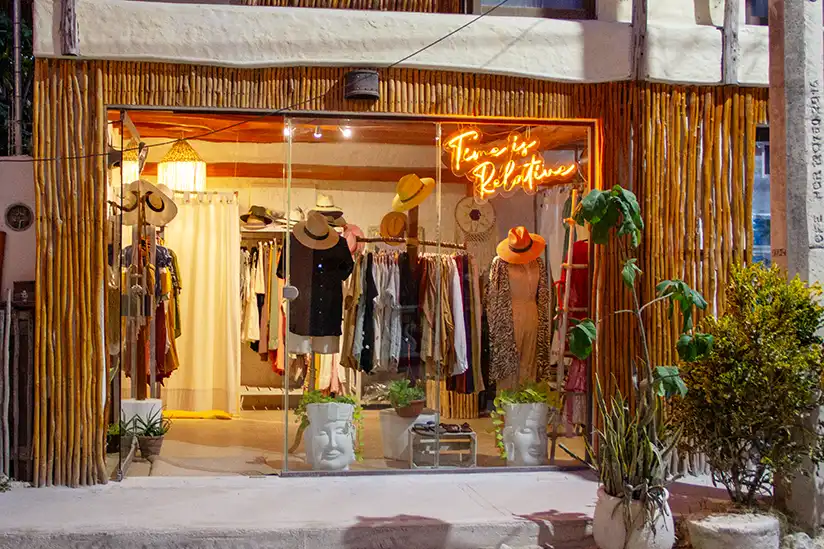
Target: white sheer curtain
205	235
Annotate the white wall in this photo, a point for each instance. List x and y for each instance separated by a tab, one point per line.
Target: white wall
17	185
682	47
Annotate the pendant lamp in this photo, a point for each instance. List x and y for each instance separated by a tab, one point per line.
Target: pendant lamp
182	169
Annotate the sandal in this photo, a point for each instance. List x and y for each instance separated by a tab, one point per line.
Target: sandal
450	428
466	428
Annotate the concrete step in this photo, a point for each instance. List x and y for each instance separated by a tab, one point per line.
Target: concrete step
412	511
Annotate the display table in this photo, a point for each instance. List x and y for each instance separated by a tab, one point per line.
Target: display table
394	429
455	450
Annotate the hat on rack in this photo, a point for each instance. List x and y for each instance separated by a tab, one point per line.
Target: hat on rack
159	211
351	233
521	247
315	233
411	191
258	216
333	214
393	225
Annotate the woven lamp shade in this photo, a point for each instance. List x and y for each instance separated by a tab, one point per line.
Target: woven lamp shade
130	166
182	169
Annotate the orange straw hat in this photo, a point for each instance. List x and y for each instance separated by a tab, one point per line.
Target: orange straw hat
521	247
393	225
411	191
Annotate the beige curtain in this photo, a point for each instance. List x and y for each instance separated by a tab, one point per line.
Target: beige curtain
205	235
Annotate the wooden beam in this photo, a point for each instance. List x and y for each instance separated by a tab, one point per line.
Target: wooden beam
315	171
69	39
732	48
639	40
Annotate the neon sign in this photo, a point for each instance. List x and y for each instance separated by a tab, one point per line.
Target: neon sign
502	166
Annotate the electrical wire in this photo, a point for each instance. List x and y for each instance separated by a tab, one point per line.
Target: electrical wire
270	113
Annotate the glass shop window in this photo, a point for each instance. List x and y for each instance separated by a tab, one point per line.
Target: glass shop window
554	9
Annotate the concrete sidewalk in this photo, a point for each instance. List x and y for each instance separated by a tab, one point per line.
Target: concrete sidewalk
444	511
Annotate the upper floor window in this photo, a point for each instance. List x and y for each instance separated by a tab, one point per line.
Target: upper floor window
556	9
758	12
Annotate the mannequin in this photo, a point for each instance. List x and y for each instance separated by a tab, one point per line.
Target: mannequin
518	290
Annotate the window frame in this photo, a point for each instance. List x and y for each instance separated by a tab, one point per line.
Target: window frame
585	14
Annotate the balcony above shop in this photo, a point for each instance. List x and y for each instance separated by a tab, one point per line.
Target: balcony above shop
243	36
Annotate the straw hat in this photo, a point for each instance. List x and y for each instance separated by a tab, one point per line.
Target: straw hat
315	233
411	191
393	225
325	205
160	208
258	216
521	247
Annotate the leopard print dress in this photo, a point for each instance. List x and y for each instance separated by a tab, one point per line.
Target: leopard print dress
505	358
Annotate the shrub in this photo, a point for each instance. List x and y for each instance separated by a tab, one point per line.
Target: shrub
752	398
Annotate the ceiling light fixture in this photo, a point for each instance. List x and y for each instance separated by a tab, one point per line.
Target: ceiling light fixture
317	133
182	169
287	131
346	132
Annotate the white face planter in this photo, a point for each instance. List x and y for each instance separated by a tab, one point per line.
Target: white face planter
525	438
330	438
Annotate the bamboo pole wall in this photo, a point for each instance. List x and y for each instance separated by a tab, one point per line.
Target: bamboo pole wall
687	152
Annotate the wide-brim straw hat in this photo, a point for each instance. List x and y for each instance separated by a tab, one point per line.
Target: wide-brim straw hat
411	191
258	216
160	208
315	233
326	205
521	247
393	225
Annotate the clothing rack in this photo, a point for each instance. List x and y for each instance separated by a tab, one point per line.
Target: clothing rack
451	245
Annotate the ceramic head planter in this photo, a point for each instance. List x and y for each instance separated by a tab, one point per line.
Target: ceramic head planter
525	437
330	437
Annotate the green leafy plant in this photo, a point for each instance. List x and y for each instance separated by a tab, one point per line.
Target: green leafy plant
153	425
752	408
317	397
402	394
532	393
114	429
632	448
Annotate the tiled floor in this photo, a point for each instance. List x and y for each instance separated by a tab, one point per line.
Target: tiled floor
253	444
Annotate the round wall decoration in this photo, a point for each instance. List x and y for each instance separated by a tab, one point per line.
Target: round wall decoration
19	217
474	218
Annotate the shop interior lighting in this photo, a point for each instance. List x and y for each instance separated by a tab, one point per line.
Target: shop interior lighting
346	131
287	131
182	169
317	134
130	165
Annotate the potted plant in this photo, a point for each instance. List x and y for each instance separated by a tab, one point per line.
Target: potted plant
520	419
332	428
753	403
150	431
408	400
632	449
113	438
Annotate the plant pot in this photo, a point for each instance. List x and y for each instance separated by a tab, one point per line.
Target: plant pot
609	529
112	444
735	531
525	438
413	410
149	446
330	438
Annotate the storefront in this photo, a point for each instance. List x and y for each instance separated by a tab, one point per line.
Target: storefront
337	198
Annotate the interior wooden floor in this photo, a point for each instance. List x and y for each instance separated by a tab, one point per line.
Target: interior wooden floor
253	444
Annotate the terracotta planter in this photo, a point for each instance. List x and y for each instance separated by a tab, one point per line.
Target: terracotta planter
610	532
149	446
414	409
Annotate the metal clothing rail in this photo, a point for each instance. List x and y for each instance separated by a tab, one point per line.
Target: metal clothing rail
452	245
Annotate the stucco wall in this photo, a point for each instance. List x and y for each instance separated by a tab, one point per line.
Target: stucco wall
17	185
682	47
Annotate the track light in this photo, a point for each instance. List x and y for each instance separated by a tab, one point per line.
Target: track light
287	131
346	132
317	134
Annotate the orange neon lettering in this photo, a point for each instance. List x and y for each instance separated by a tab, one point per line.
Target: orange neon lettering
501	167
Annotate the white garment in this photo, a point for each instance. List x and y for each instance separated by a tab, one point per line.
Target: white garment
250	321
304	345
461	364
379	275
551	227
206	237
395	328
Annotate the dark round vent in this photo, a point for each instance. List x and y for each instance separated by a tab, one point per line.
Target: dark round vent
362	84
